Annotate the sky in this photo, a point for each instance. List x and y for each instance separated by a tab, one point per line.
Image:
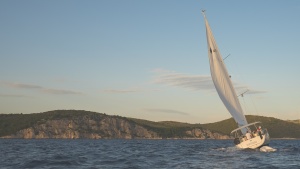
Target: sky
148	59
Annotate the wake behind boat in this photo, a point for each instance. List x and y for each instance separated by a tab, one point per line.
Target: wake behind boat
246	135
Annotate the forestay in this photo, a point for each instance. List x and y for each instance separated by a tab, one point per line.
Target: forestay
222	80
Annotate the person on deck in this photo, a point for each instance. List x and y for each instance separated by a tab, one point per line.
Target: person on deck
248	135
259	131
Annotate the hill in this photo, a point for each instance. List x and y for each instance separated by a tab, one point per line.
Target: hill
294	121
86	124
277	128
11	123
168	129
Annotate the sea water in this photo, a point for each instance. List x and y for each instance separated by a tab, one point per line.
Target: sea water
106	154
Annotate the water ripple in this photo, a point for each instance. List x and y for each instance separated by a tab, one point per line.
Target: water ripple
163	154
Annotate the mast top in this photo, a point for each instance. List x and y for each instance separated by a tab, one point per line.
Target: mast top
203	12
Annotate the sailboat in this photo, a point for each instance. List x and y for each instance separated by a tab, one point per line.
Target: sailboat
247	135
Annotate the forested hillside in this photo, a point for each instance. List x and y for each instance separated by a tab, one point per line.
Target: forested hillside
86	124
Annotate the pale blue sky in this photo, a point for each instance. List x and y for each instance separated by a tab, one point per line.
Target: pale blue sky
148	59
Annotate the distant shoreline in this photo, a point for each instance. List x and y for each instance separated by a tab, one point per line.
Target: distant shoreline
81	124
134	139
285	138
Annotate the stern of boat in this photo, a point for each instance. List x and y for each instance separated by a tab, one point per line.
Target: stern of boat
255	142
259	136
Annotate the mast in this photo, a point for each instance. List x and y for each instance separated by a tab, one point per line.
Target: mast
221	78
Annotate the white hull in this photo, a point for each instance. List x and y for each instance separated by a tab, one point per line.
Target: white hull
255	142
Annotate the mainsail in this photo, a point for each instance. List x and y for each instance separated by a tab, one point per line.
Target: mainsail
222	80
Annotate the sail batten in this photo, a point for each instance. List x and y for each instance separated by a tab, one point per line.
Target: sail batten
222	80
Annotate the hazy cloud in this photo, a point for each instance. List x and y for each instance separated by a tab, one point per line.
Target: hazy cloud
13	95
21	86
256	91
59	91
166	111
240	89
38	88
120	91
194	82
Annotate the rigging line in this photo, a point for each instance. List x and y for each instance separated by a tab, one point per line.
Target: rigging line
242	94
245	106
253	103
256	112
240	79
226	57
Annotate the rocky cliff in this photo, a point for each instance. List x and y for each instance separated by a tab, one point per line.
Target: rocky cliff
108	127
205	134
90	125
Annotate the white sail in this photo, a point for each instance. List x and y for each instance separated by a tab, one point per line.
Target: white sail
222	80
